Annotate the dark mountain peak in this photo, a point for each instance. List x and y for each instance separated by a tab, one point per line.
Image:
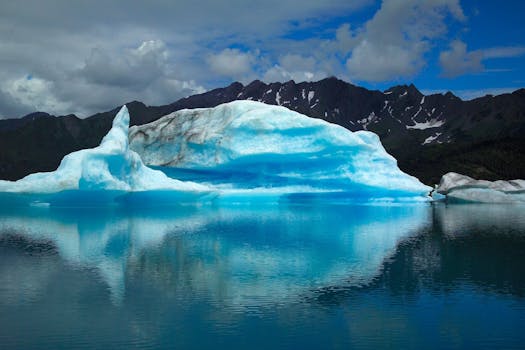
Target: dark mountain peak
235	85
450	95
135	104
332	85
333	79
14	123
402	90
412	89
273	85
255	84
138	111
519	93
70	116
233	89
396	89
36	115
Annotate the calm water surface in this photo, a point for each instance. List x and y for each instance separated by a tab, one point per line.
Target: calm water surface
306	276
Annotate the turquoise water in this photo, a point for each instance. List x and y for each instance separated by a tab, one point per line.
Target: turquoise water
288	275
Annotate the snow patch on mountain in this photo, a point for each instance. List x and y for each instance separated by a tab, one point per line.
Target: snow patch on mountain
432	138
311	95
366	121
278	98
427	124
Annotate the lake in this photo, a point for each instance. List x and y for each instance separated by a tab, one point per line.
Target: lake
301	275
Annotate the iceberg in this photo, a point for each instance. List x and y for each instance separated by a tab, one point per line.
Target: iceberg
110	166
239	151
247	145
462	188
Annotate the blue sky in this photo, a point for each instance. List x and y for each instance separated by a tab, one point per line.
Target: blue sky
488	25
84	57
493	31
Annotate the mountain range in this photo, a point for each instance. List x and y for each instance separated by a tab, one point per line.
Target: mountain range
429	135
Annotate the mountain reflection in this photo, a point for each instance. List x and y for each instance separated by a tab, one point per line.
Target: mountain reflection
472	247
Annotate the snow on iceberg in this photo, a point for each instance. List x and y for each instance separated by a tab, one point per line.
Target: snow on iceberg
110	166
261	145
461	188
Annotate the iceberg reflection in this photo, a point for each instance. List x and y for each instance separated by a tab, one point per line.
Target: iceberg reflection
460	220
237	256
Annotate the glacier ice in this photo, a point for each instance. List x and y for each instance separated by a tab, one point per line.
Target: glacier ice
462	188
110	166
241	151
259	145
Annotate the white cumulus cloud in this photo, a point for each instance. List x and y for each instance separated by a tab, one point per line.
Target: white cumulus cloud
232	63
458	60
294	67
34	94
393	43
